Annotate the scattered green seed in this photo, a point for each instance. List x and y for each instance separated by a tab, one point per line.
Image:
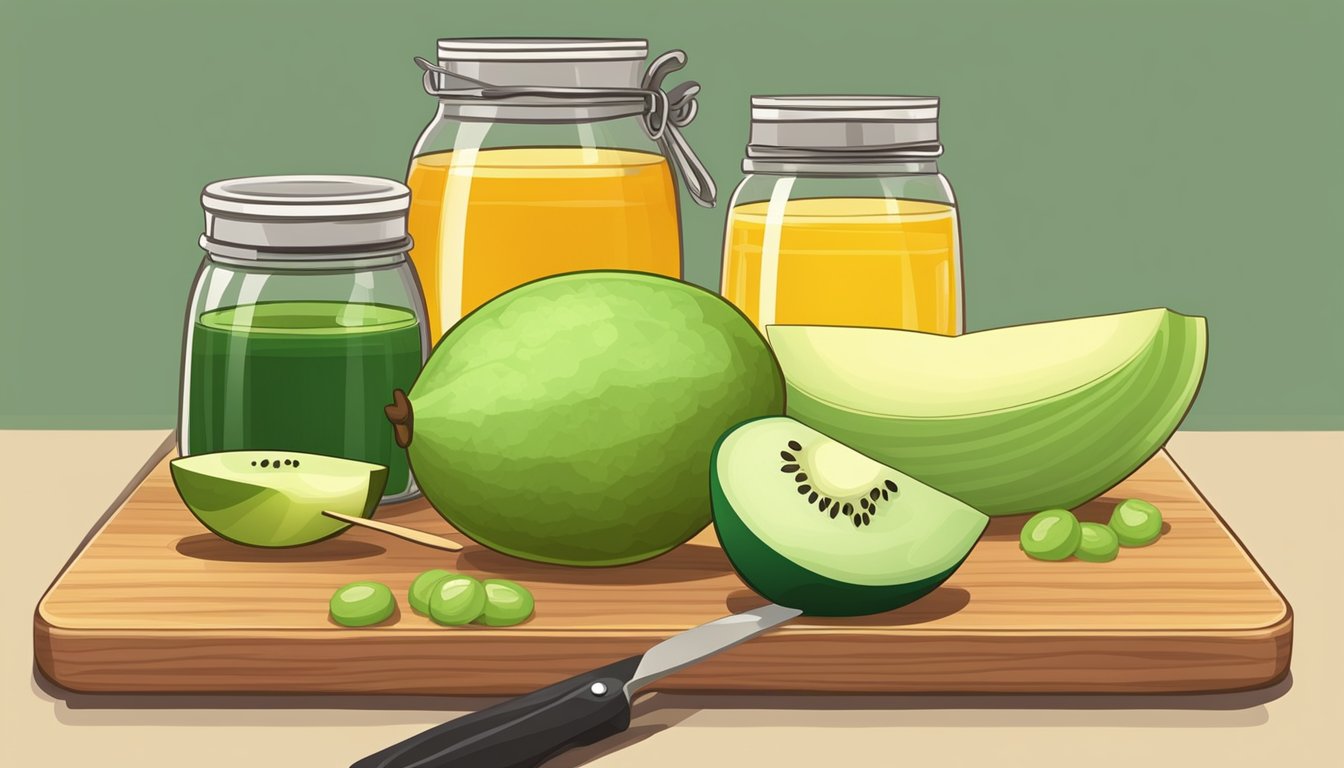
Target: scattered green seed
1097	543
506	603
1051	535
1136	522
456	600
362	603
418	596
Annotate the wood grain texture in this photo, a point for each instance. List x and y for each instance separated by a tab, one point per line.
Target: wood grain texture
156	603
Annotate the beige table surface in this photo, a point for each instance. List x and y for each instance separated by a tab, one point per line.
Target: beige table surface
1280	492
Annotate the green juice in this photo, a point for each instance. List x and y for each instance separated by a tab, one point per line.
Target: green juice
308	376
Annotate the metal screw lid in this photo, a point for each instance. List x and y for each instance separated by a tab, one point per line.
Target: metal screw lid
309	213
545	61
836	128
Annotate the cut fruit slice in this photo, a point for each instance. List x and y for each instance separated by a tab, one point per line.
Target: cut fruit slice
811	524
1011	420
276	498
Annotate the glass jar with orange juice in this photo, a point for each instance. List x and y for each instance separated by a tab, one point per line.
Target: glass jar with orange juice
546	155
843	218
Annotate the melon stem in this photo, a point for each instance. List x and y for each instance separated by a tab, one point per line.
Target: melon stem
402	417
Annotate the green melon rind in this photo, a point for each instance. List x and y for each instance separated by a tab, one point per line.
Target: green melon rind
1058	452
510	460
224	505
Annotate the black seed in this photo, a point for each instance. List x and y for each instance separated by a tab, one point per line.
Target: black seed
286	462
834	511
296	462
787	468
826	502
866	518
265	463
804	489
864	503
812	498
254	463
858	520
891	486
785	455
800	477
795	445
275	462
873	494
885	496
849	508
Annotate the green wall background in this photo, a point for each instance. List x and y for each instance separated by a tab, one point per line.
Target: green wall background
1107	156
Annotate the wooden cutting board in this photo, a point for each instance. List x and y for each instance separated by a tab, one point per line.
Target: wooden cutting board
153	602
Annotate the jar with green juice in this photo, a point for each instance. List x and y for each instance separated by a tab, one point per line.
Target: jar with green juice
305	315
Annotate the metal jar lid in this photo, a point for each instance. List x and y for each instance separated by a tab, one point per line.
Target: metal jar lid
310	216
545	61
570	80
839	129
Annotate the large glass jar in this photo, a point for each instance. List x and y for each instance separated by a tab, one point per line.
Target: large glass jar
546	155
843	218
304	317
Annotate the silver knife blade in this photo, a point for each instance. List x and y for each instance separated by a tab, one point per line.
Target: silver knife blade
686	648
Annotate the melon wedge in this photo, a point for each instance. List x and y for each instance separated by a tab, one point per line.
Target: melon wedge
276	498
1011	420
834	533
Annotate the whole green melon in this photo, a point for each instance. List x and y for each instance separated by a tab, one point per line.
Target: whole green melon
571	420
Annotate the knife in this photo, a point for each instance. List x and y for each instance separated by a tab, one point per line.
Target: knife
530	729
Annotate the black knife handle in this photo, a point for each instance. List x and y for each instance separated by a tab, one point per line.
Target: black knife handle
525	731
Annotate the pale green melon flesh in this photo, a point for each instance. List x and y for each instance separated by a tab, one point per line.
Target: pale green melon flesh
920	533
924	375
1011	421
276	507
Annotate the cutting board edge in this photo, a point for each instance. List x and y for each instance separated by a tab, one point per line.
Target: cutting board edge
44	626
89	663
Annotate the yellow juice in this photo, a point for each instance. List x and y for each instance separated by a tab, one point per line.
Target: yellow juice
487	220
861	261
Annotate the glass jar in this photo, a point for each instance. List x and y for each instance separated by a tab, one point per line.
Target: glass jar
547	155
843	218
304	317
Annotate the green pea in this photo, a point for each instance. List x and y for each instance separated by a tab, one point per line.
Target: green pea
506	603
418	596
456	600
1136	522
1051	535
1097	543
362	603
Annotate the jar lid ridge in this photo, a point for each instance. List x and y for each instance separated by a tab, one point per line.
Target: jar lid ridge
843	128
294	214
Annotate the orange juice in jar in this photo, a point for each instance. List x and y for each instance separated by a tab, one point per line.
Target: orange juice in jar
545	156
844	218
